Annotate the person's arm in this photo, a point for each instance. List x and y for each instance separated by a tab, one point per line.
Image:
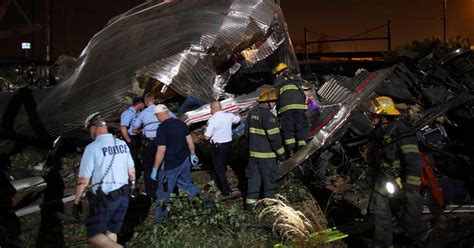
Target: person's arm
131	168
209	130
131	174
137	123
85	173
272	129
410	155
82	183
236	118
190	142
124	132
159	156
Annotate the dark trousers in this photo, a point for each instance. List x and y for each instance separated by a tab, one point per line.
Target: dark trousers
294	128
409	215
134	147
148	158
221	153
261	171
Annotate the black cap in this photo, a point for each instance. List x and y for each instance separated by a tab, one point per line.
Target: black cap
137	100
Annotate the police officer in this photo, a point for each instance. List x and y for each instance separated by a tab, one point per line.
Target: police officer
132	138
219	132
147	122
174	157
265	147
107	163
394	154
291	108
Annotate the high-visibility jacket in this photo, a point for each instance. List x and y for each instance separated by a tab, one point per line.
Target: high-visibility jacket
290	95
264	134
395	152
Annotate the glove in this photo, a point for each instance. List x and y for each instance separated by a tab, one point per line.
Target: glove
154	172
194	159
280	159
77	211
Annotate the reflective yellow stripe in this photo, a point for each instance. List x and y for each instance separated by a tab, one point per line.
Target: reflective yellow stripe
288	87
413	180
410	149
293	106
262	154
281	151
290	141
250	201
256	131
273	131
301	143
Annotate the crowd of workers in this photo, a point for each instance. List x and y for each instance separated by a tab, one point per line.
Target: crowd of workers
276	128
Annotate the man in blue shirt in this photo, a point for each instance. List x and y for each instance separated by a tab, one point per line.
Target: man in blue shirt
174	156
106	163
132	138
147	122
219	132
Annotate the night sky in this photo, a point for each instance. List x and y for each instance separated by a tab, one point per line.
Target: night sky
75	22
411	19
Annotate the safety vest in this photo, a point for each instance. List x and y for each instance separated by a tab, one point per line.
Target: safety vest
290	95
263	134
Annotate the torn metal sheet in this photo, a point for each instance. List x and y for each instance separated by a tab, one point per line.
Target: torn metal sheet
193	47
324	129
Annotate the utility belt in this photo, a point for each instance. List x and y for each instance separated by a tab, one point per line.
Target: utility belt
147	141
218	145
100	198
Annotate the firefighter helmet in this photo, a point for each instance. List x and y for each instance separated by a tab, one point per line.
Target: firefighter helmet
383	105
279	68
267	94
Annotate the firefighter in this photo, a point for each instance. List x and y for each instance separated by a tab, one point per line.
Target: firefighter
395	157
265	147
291	108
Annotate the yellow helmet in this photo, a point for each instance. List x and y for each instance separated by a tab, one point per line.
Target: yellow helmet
267	94
280	67
383	105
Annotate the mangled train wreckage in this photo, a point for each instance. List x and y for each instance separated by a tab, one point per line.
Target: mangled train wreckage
191	48
225	50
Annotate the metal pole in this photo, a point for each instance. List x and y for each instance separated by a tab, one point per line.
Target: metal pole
389	37
305	44
444	21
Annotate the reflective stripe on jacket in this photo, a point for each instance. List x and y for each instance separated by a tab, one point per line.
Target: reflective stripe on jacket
290	95
264	134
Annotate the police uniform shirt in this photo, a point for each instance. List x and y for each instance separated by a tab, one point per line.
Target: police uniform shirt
127	118
220	127
148	120
97	157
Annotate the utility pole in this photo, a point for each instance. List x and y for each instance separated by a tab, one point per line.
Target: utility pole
48	30
389	37
444	21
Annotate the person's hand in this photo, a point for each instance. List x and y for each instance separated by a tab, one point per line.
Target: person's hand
154	172
77	211
194	159
280	159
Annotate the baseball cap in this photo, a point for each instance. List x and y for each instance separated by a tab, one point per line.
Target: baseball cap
160	108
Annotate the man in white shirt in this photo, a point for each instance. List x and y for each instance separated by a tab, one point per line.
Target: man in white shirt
219	132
